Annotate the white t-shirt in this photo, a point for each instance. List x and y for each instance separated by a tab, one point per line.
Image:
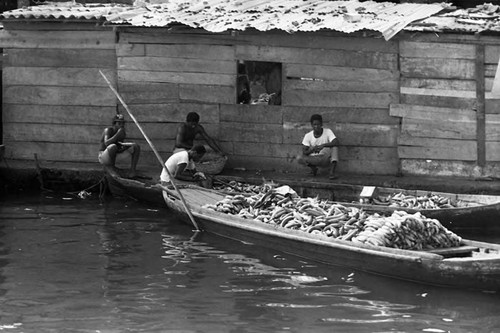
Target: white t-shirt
173	162
326	137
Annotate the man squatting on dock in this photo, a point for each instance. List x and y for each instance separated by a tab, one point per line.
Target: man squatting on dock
113	144
319	147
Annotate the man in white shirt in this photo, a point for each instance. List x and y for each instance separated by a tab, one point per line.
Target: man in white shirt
181	164
319	147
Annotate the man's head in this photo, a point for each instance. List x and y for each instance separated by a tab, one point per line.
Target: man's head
197	152
119	120
317	122
192	119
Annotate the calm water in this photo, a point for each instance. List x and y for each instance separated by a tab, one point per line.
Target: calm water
78	265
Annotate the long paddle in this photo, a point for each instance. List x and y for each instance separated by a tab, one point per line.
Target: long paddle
154	150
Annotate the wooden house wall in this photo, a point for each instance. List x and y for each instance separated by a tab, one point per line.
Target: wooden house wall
449	116
351	82
55	102
419	105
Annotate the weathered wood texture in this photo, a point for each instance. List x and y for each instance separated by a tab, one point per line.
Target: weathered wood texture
448	168
351	81
446	90
162	83
480	106
407	104
58	39
55	102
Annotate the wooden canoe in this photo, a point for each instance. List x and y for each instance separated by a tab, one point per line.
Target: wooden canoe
476	211
472	265
141	189
479	213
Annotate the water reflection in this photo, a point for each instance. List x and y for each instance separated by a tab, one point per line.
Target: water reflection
180	251
86	266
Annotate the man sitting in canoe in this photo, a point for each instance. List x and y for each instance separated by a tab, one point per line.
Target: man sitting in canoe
181	165
113	143
319	147
186	133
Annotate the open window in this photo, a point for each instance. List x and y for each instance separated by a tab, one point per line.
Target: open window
259	82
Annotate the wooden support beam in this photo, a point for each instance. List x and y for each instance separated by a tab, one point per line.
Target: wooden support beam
480	106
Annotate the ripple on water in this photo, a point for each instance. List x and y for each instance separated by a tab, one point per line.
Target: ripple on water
338	290
85	266
291	305
365	311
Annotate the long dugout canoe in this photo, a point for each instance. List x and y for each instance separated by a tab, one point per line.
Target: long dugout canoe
471	265
472	212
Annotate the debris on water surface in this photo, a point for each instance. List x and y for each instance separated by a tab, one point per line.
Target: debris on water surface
84	194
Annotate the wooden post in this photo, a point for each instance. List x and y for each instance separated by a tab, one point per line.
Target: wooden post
480	107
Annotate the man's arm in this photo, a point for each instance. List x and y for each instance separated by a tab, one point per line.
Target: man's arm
211	142
307	150
115	138
333	143
318	148
307	147
182	173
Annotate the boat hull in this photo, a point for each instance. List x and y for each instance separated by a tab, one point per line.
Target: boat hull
480	219
417	266
133	189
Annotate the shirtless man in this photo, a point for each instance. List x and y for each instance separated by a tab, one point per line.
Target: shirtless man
186	133
113	143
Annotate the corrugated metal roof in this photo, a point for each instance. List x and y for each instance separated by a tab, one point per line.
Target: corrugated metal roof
223	15
484	17
64	11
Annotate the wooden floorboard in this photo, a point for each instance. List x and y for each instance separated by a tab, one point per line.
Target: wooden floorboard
197	197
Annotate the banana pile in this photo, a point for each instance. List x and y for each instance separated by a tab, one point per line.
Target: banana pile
312	215
406	231
240	187
429	201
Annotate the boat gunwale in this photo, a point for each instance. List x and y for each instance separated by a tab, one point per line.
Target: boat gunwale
430	211
430	262
412	253
440	270
319	239
482	202
481	206
202	212
253	225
